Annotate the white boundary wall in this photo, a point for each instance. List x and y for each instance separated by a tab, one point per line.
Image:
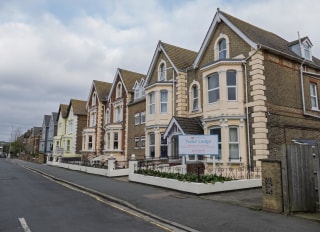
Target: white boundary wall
110	172
192	187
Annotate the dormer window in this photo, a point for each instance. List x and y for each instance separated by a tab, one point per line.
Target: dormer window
162	71
302	47
307	51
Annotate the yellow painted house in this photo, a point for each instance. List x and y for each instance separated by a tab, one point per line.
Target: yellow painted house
72	119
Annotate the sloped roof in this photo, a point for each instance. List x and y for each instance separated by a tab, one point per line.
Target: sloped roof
130	78
182	58
78	106
54	115
36	130
46	120
190	126
186	126
103	89
253	35
63	110
179	58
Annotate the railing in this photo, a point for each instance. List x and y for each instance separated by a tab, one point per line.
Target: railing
121	164
200	169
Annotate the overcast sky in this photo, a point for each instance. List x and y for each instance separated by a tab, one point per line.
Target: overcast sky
52	50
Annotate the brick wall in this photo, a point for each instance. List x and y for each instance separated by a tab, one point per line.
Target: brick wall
271	186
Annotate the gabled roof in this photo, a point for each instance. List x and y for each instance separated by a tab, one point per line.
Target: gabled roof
36	130
78	106
128	79
46	120
54	116
179	58
186	126
102	88
302	40
63	111
252	35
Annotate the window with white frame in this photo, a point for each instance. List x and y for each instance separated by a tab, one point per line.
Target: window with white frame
143	117
234	143
94	99
107	145
217	132
222	46
152	145
137	119
68	146
152	103
90	142
143	141
232	85
314	96
163	101
118	112
92	119
307	51
116	141
213	88
107	116
162	71
195	98
119	90
136	142
69	126
163	147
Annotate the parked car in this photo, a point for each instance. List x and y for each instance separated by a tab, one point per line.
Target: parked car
3	156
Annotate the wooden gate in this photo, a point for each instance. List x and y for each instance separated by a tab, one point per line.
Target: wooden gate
301	178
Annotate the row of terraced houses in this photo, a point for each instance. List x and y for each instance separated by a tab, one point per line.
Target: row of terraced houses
252	88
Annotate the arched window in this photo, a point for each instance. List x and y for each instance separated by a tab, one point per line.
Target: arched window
94	99
119	90
222	45
195	98
162	71
107	116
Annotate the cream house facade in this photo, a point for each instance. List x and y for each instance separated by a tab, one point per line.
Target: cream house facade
165	90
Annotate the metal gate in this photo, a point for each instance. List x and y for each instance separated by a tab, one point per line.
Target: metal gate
301	178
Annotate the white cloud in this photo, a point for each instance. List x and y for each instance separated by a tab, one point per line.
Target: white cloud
51	53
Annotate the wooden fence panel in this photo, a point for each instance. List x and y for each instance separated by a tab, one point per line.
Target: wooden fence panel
301	178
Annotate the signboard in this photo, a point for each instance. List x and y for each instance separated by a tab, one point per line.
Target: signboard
198	145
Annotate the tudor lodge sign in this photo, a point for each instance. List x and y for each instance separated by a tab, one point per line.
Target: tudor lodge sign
198	145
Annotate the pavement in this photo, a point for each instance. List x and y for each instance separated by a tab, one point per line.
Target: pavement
228	211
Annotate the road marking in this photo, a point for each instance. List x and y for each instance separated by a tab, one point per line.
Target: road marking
24	225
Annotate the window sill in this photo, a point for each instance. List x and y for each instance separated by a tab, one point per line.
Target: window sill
235	162
315	109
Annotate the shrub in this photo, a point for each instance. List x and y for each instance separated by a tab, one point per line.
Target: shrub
189	177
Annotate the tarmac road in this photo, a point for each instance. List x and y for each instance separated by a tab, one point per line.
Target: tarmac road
204	213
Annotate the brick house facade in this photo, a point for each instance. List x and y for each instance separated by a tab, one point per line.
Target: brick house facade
93	133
